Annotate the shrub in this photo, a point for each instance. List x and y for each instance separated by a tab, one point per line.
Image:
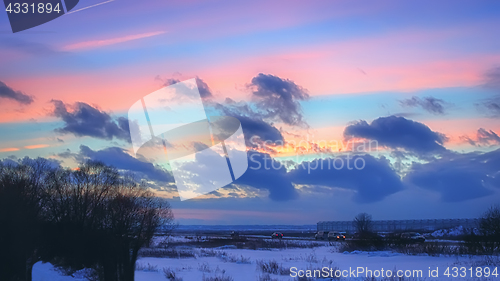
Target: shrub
489	224
166	253
235	259
429	248
211	253
272	267
170	274
204	267
370	243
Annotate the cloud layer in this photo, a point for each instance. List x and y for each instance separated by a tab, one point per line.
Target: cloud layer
279	98
266	173
398	132
459	177
119	158
86	120
375	181
252	122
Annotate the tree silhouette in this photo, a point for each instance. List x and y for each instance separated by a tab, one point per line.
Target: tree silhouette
22	195
92	217
489	223
363	223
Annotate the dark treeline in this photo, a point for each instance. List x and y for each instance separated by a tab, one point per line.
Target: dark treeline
92	217
482	240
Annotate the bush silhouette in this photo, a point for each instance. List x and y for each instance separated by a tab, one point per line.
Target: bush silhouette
92	217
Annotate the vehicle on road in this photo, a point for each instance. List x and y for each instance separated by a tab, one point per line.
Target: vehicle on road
337	236
277	235
412	237
321	235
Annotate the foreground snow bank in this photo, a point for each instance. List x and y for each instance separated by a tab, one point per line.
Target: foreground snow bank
245	265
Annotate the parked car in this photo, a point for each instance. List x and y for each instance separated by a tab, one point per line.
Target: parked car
337	236
412	237
277	235
321	235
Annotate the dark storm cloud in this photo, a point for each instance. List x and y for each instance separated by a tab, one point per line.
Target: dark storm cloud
252	122
253	128
266	173
276	99
279	98
119	158
86	120
375	181
429	104
459	177
7	92
398	132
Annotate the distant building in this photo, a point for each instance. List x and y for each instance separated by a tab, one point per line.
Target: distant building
399	225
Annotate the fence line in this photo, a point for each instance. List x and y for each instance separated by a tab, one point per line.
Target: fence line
398	225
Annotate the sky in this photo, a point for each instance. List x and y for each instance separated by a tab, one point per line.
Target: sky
319	81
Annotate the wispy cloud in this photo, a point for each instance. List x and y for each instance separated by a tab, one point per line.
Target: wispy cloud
9	149
35	146
107	42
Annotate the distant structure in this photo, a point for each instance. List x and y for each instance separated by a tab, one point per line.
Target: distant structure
399	225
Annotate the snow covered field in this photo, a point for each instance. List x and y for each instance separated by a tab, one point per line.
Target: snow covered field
245	265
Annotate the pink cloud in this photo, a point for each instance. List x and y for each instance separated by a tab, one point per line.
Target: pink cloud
9	149
112	41
35	146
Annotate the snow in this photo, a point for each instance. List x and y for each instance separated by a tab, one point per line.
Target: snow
46	272
455	231
241	264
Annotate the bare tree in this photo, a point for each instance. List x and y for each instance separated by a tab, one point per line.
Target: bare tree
100	219
22	196
91	217
489	223
363	223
